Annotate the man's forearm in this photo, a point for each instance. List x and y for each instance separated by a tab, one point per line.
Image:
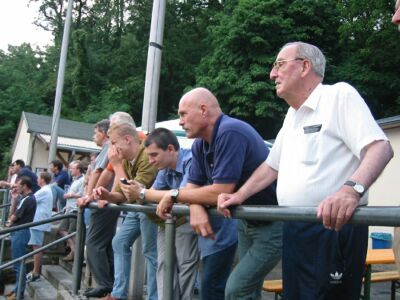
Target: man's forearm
374	160
115	197
262	177
94	177
206	195
153	195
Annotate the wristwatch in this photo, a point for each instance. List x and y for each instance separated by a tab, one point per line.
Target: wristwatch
358	187
174	195
141	194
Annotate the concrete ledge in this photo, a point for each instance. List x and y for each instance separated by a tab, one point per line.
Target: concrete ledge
41	290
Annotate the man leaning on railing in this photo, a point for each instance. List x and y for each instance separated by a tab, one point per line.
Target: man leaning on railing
327	154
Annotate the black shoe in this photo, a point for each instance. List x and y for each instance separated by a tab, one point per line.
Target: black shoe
97	292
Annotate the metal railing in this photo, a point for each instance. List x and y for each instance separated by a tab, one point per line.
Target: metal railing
6	231
377	216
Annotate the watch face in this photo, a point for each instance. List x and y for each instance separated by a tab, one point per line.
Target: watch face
359	188
174	193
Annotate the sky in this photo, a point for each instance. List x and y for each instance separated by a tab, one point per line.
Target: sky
16	24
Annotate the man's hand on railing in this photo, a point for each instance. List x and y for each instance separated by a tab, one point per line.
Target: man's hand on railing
101	193
337	209
84	201
164	207
227	200
200	221
102	203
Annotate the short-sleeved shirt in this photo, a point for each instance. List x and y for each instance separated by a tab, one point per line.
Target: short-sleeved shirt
236	150
44	206
77	187
26	172
320	145
172	179
102	158
62	178
25	210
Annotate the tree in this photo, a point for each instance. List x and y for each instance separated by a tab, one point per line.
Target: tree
246	41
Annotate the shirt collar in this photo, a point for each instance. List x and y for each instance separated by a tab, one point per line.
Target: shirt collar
210	147
314	98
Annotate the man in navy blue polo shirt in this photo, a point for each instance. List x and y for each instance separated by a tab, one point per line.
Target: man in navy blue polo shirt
61	176
22	170
225	153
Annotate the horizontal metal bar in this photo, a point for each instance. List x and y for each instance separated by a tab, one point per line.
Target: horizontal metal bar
5	205
367	215
49	245
32	224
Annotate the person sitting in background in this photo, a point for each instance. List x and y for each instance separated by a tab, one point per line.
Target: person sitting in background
76	191
44	205
61	176
24	213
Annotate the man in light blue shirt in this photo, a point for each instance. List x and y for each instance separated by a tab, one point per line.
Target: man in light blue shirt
173	163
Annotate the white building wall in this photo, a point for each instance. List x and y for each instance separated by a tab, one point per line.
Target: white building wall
22	148
386	190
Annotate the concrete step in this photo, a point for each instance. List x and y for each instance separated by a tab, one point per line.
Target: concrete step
54	284
58	277
41	290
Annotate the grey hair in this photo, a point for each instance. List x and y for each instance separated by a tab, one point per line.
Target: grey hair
121	117
312	53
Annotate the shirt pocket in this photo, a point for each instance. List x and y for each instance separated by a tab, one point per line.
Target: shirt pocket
310	145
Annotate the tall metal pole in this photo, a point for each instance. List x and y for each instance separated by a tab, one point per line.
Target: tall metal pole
60	84
149	114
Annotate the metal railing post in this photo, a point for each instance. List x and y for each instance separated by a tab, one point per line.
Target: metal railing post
138	271
20	276
79	250
168	288
1	251
4	211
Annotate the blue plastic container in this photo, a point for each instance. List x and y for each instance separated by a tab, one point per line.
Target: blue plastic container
381	240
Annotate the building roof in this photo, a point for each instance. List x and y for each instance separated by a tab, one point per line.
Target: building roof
390	122
71	144
71	129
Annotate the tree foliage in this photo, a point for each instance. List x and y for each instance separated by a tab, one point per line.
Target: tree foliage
227	46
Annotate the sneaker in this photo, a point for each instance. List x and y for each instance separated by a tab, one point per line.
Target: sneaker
32	277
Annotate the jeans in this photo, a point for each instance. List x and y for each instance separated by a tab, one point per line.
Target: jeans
216	269
260	249
19	242
134	225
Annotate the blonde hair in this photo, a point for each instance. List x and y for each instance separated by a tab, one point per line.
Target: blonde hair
123	129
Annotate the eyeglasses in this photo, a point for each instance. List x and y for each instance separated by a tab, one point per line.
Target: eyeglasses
280	63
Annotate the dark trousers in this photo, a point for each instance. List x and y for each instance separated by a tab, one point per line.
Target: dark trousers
216	270
321	264
99	251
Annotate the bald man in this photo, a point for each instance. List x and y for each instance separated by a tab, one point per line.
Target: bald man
396	16
225	153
